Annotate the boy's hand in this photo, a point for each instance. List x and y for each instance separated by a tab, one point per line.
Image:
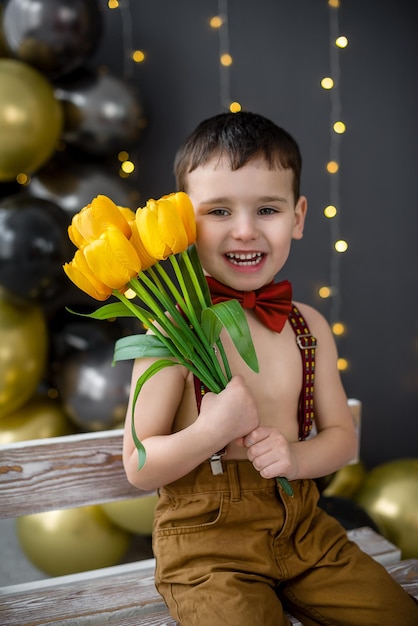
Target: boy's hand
270	453
232	413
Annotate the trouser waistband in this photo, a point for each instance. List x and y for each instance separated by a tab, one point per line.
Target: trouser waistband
238	476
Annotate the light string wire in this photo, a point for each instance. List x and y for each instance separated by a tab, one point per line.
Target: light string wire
127	39
224	71
334	154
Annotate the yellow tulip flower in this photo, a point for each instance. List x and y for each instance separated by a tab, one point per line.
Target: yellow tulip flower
93	219
146	259
185	210
79	272
112	258
161	230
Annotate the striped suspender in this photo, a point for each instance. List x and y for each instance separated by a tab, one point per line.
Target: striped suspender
307	345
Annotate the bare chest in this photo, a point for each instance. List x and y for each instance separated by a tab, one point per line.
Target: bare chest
276	387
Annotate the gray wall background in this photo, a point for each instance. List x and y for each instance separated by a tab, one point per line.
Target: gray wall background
281	51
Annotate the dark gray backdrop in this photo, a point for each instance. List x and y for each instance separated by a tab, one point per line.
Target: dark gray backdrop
281	51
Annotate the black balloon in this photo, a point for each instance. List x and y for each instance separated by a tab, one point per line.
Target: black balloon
72	184
71	333
55	36
102	113
34	244
94	394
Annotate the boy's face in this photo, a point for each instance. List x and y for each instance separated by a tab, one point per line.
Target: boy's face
246	220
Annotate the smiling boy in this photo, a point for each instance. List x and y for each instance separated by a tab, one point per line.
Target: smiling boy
231	546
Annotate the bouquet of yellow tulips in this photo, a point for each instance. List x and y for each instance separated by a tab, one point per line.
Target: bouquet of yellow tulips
119	253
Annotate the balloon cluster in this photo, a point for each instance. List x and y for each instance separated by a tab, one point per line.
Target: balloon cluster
61	124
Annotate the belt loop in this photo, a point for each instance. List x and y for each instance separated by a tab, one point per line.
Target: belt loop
234	484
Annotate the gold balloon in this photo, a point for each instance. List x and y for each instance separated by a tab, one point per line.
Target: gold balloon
135	515
71	540
346	481
39	418
23	351
31	119
389	495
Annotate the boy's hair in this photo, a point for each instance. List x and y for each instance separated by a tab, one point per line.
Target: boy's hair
240	137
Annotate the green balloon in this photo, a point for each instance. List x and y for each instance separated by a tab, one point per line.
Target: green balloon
31	119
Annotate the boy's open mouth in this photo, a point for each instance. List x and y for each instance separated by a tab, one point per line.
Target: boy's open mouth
249	258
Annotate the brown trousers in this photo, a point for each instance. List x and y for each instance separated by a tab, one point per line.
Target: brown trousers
234	550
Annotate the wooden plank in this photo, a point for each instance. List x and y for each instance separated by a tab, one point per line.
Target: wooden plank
375	545
63	472
102	595
406	574
123	594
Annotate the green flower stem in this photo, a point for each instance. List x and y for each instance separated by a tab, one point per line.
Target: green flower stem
285	485
201	297
195	280
202	349
224	358
202	370
192	314
174	333
201	373
178	297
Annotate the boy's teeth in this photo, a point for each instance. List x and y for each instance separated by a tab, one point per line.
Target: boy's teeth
251	258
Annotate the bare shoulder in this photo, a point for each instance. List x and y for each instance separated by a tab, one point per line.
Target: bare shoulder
316	321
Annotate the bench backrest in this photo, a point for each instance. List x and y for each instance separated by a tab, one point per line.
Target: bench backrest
62	472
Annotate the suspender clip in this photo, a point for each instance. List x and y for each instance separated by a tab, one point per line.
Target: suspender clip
306	342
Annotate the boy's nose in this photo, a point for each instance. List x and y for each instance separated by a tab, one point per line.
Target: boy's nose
244	228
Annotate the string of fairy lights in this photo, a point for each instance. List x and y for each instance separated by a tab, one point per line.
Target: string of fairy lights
332	211
337	127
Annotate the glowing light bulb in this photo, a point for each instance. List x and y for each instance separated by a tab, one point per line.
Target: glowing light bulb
330	211
339	128
341	42
342	364
332	167
327	83
325	292
127	167
338	329
234	107
334	3
22	178
138	56
226	59
341	245
216	21
113	4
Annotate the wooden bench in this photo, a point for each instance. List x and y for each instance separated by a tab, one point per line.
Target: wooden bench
85	469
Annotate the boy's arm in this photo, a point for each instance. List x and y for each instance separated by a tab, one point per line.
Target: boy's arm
170	456
336	442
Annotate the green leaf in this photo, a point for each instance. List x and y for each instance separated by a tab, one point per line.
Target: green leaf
231	316
110	311
149	373
138	346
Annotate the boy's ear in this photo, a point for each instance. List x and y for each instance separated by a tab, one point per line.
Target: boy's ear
300	214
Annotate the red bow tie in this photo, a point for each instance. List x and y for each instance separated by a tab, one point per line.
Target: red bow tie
272	303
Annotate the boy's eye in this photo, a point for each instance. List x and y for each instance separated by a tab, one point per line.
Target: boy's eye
267	210
219	212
